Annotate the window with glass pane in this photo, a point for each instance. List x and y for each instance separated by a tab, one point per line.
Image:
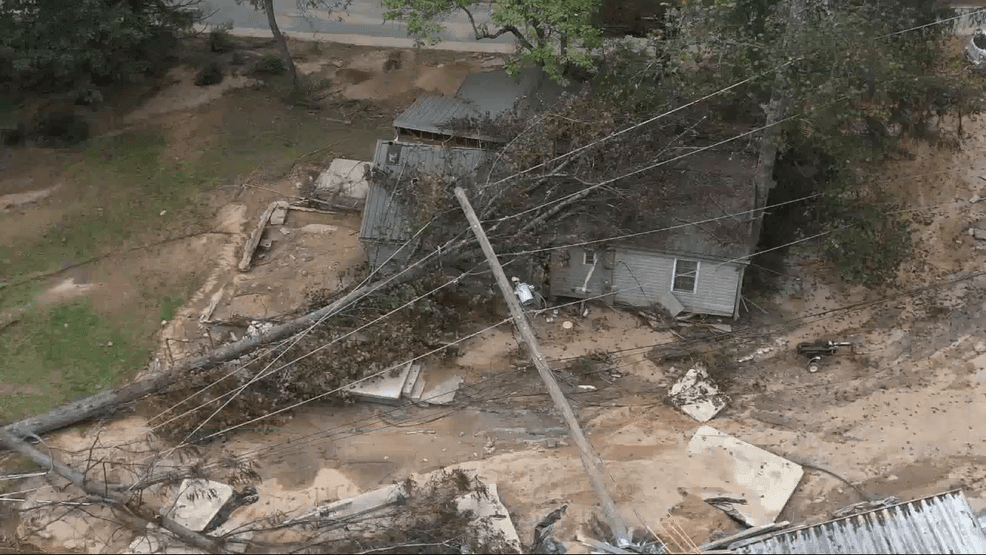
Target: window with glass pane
685	276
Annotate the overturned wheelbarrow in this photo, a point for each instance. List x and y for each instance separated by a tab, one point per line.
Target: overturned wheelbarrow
816	350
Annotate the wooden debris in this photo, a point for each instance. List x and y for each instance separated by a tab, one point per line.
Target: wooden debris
258	232
742	535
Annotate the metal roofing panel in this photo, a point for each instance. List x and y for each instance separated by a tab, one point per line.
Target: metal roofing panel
491	94
386	216
432	114
941	523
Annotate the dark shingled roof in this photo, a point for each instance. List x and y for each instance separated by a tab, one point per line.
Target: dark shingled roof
697	188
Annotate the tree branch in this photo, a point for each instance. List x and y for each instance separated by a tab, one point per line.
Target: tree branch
102	490
485	34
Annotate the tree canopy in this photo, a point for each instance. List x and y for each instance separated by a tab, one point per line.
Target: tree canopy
551	34
55	45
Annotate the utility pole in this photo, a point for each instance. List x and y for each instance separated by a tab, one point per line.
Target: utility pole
590	460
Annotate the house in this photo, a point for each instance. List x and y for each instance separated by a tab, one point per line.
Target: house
687	250
398	169
466	117
943	523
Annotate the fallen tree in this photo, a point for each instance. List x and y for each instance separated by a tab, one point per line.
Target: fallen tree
112	494
105	403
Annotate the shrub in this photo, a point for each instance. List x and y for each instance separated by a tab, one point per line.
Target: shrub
869	246
271	63
238	58
63	128
209	74
87	96
220	41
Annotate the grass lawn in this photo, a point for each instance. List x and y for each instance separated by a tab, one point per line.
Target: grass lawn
117	189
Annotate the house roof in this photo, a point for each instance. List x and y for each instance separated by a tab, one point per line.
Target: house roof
704	188
942	523
387	216
481	95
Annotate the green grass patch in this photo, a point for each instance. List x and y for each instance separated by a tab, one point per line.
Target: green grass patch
120	187
169	306
62	353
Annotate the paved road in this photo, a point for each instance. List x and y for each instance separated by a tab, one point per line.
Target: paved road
362	24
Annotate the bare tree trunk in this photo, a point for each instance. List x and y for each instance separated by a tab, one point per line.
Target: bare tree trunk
282	43
111	493
776	110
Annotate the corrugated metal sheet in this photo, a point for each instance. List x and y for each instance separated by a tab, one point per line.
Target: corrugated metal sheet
481	95
942	523
432	114
386	216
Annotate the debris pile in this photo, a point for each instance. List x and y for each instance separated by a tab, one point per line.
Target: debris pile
696	395
450	511
201	506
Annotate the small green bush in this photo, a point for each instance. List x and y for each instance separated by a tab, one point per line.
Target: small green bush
88	96
63	128
209	74
238	58
219	39
271	64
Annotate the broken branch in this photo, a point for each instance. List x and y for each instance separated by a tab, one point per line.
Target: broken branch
104	491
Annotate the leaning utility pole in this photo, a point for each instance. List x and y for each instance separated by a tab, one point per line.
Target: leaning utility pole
590	460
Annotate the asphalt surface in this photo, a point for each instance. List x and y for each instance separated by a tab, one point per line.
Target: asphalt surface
362	23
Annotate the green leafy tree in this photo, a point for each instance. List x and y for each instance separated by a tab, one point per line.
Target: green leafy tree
856	77
57	45
552	34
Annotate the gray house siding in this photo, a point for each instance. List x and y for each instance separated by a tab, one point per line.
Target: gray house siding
641	278
569	272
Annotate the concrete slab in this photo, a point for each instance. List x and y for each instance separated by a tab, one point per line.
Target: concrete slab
197	501
363	505
383	389
319	228
418	390
760	482
443	393
279	215
490	517
412	380
344	178
697	395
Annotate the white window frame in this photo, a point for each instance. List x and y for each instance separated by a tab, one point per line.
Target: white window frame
674	275
585	257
